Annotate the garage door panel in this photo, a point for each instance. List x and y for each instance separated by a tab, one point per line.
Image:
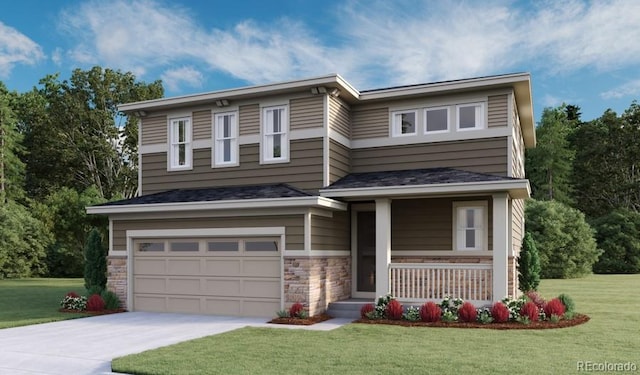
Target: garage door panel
260	307
149	285
261	267
223	267
182	304
223	287
183	266
150	266
220	306
183	286
261	288
150	303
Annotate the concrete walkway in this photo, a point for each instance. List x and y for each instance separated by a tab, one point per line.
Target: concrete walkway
87	345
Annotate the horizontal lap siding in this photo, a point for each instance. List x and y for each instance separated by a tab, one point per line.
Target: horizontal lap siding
339	117
331	233
202	125
517	230
249	119
481	155
339	161
154	130
306	113
498	112
369	122
294	227
304	171
427	224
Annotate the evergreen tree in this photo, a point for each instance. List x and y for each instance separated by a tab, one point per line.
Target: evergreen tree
528	265
95	266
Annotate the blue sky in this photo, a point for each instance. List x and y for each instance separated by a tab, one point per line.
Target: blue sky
579	52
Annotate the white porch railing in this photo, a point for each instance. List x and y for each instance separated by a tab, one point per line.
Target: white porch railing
418	282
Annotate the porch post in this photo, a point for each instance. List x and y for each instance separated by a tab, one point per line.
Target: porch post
383	245
500	245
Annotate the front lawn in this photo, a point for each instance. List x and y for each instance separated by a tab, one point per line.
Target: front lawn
611	336
31	301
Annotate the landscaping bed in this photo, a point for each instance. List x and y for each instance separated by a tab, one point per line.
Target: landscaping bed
563	323
301	321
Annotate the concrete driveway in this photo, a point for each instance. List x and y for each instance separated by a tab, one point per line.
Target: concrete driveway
87	345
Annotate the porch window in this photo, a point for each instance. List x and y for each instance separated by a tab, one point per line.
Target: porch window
470	226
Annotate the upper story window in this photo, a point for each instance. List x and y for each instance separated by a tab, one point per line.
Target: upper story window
470	225
275	134
436	120
180	148
470	116
404	123
225	148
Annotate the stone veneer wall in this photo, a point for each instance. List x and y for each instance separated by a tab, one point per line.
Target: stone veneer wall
117	276
514	284
316	281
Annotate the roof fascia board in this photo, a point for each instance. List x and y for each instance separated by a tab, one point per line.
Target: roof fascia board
322	202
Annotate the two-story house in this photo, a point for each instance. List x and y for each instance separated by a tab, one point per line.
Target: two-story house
311	191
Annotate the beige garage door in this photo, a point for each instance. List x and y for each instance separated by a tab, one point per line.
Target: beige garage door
219	276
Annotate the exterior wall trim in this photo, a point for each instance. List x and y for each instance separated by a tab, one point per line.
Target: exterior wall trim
315	253
431	138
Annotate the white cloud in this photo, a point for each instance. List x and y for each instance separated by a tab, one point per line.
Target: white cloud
631	88
173	78
16	48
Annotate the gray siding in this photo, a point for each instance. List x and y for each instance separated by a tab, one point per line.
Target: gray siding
202	125
331	233
304	171
498	112
427	224
249	119
339	161
517	230
482	155
339	117
306	112
294	226
517	153
370	121
154	130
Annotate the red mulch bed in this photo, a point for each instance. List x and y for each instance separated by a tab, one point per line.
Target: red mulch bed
102	312
301	322
576	320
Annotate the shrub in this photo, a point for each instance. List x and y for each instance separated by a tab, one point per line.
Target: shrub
381	306
295	310
95	303
394	310
530	311
412	314
563	238
366	310
451	305
528	265
467	313
72	294
95	266
282	313
536	298
500	312
569	305
514	305
618	235
111	300
430	312
554	307
95	289
484	316
78	303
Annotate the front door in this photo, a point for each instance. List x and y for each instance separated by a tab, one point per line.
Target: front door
365	255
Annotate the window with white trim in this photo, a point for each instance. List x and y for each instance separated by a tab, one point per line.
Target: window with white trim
436	120
404	123
180	149
225	148
275	134
470	225
470	116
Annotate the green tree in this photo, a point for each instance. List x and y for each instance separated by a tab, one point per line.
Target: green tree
11	166
618	235
549	165
528	265
95	262
564	239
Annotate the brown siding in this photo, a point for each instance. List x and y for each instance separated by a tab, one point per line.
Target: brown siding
339	161
498	112
517	157
202	125
294	227
331	233
154	130
427	224
481	155
517	231
369	122
304	171
249	119
339	117
306	112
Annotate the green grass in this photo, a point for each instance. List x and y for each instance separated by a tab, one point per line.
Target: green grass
31	301
611	335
